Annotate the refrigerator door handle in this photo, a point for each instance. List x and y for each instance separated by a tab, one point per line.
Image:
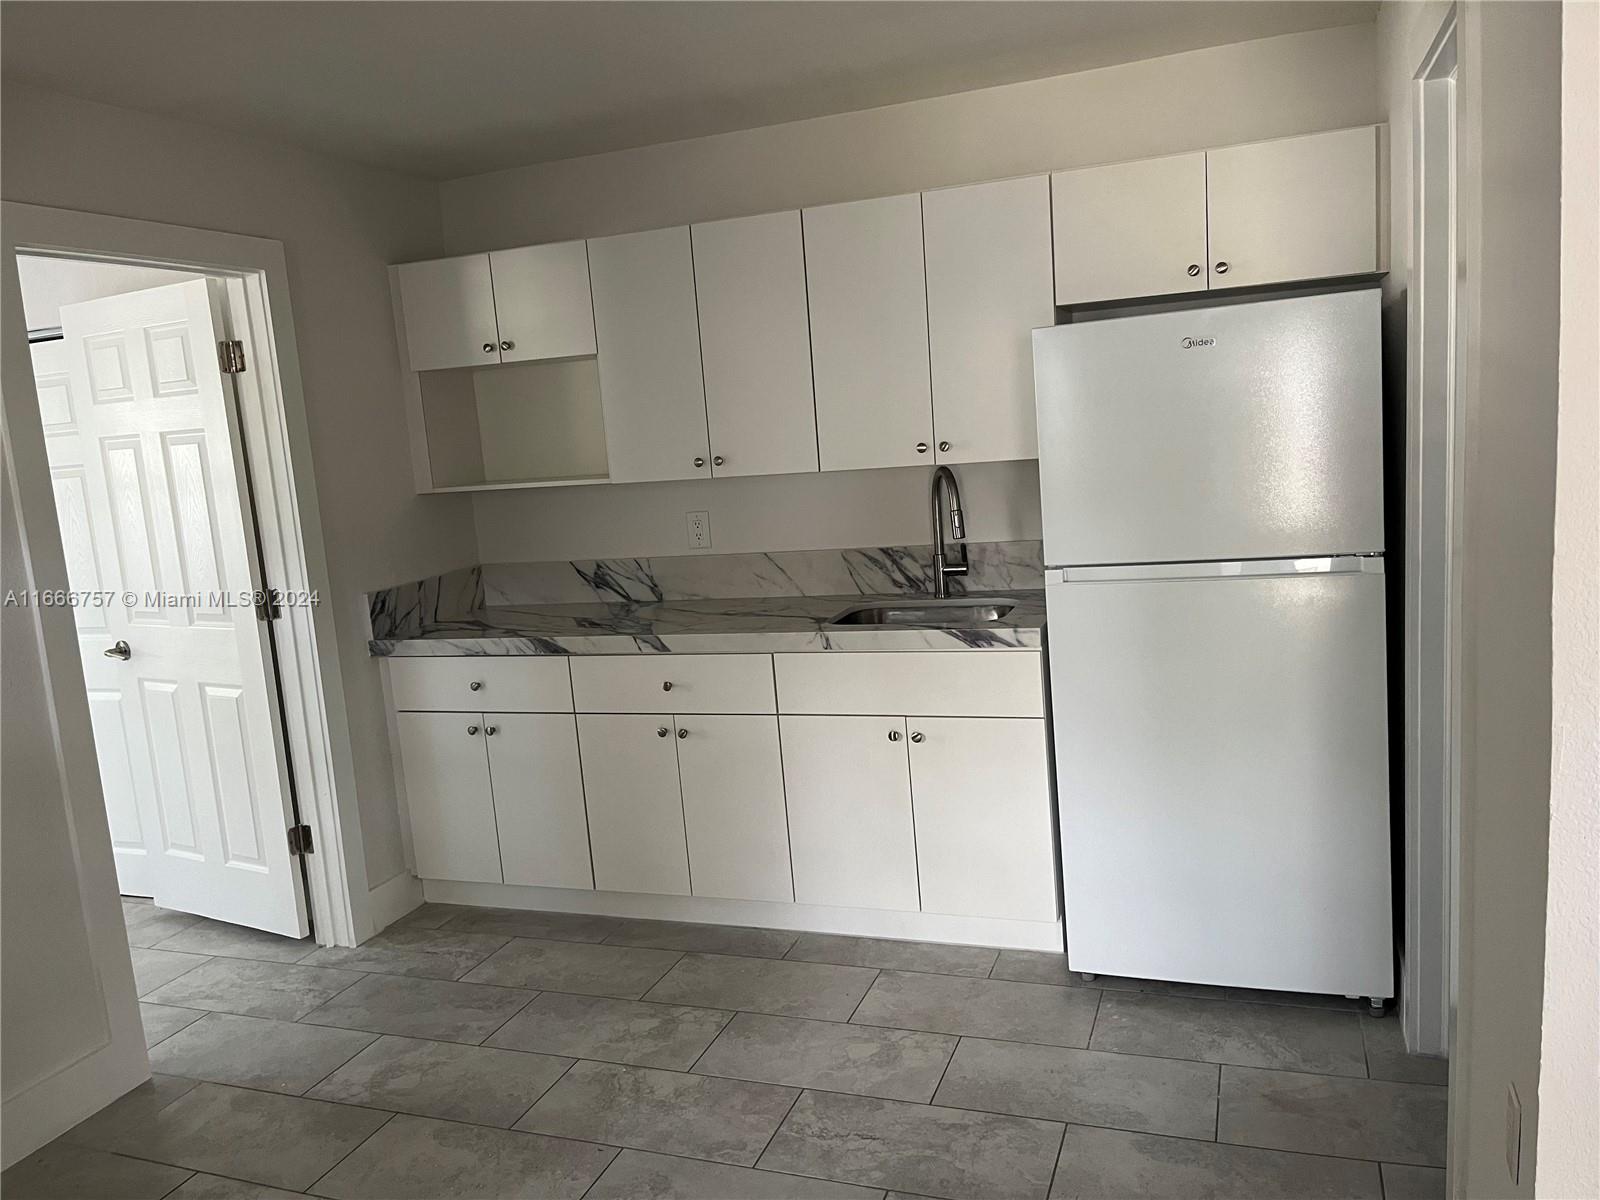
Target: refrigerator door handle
1335	564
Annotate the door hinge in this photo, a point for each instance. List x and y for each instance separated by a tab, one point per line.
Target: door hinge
300	841
267	606
231	355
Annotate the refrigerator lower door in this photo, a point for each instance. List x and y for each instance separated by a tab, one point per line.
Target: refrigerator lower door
1222	765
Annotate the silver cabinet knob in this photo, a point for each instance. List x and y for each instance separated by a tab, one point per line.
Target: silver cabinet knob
922	447
506	345
662	731
916	737
472	731
1221	268
682	732
476	685
666	685
894	735
699	462
488	347
121	650
717	460
491	730
1193	270
944	447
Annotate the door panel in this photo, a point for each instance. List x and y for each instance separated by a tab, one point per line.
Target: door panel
869	333
980	787
1249	431
755	340
446	767
1130	229
449	313
1222	768
988	255
851	835
538	799
1295	208
542	303
630	779
652	392
733	808
152	480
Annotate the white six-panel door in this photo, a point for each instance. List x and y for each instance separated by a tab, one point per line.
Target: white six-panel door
153	507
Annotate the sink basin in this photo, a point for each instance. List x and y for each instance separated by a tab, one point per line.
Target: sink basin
959	613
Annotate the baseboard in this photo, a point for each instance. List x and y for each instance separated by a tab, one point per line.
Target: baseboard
39	1114
393	899
810	918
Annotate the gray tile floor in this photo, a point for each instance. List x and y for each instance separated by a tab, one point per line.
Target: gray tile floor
485	1053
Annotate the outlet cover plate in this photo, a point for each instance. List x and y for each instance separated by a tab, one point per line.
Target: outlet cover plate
699	530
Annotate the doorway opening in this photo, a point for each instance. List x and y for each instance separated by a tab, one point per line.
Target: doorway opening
136	371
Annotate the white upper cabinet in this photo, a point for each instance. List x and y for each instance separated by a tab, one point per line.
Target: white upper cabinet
869	333
542	303
1130	229
989	287
1295	208
651	389
755	344
449	313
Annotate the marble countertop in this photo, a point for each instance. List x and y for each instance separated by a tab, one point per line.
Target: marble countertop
761	624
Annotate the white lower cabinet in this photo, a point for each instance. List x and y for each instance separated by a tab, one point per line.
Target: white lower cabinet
538	799
733	811
981	794
630	780
850	825
446	765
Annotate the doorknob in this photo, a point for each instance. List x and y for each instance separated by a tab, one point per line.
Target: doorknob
120	650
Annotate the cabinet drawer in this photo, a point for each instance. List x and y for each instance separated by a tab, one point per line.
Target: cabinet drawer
478	684
991	683
679	683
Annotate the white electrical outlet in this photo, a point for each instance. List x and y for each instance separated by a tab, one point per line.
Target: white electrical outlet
699	531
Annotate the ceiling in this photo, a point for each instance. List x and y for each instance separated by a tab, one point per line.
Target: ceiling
446	89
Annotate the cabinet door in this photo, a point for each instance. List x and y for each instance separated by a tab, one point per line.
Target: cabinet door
869	333
733	810
850	832
542	303
652	394
538	799
755	343
1296	208
449	311
630	779
1130	229
988	252
447	792
981	791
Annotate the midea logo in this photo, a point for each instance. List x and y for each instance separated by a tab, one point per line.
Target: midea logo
1192	343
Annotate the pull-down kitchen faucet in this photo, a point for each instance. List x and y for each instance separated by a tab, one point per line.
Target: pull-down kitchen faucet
944	478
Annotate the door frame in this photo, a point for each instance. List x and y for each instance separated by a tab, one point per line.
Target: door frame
277	446
1434	473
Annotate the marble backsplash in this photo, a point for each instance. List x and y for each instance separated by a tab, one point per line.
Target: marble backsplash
872	571
402	611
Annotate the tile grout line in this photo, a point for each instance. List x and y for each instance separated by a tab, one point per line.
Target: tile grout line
381	1127
766	1145
512	1128
867	991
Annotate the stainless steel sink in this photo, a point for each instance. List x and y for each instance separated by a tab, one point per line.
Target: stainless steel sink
959	613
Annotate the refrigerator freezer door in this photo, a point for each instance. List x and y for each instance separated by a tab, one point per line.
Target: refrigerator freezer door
1223	783
1243	431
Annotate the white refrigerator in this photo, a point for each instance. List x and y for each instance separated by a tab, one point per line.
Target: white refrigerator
1211	483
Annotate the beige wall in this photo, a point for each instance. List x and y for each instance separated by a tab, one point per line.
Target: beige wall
1569	1071
1267	88
340	225
1510	197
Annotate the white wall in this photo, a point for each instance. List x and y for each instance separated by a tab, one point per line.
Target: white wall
1510	194
48	283
1569	1073
340	225
1267	88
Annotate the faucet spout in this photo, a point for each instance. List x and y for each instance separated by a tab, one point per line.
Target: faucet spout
944	493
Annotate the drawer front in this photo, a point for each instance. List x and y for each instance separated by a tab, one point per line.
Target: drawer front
481	684
988	683
678	683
